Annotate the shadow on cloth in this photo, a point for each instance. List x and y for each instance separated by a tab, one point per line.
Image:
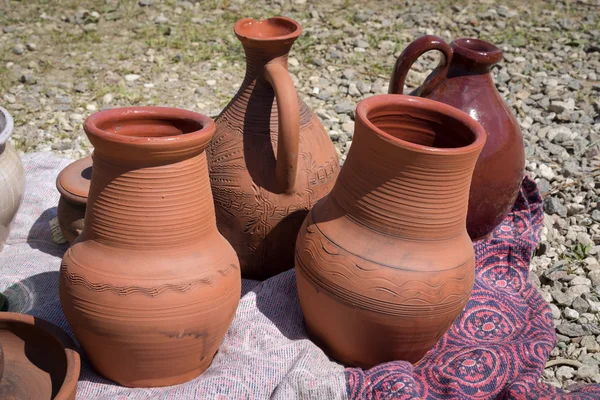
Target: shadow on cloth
37	295
40	235
278	301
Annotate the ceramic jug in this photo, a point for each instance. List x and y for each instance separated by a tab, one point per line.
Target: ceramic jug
463	80
270	159
73	184
384	263
12	177
149	287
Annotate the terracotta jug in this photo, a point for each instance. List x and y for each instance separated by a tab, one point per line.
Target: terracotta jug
463	80
270	159
384	263
73	183
149	287
12	177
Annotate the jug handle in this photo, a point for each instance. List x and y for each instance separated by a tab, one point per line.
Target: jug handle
289	125
410	54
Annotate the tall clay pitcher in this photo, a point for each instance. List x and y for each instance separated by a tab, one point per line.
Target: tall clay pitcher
463	80
384	263
270	159
149	287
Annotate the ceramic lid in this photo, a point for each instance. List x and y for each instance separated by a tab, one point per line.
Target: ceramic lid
73	182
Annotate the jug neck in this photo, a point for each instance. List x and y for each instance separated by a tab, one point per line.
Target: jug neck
473	56
409	169
257	58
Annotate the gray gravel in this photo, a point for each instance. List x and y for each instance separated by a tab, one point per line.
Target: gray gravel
64	60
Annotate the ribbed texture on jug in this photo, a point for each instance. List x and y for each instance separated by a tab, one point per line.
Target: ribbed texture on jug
409	169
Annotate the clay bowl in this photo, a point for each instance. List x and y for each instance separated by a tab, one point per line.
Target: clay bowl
73	183
40	361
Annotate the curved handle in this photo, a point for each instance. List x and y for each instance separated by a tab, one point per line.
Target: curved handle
289	125
411	54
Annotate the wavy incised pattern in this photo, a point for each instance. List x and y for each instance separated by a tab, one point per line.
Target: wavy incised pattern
80	280
153	208
370	286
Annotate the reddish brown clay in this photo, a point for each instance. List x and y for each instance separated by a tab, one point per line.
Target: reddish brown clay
40	359
463	80
271	158
150	287
384	263
73	183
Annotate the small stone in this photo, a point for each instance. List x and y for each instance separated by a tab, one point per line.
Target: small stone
211	82
595	277
132	77
18	49
364	87
293	62
91	107
64	100
564	372
348	128
552	205
580	305
555	311
562	298
344	108
81	87
362	44
161	19
543	185
353	90
571	329
31	46
587	371
145	3
28	78
349	73
107	98
569	313
546	172
596	215
75	117
590	343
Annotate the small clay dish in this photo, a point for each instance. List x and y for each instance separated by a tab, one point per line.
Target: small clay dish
40	361
73	183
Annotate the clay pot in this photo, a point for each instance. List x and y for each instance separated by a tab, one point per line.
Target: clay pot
73	183
384	263
40	359
150	287
463	80
270	159
12	177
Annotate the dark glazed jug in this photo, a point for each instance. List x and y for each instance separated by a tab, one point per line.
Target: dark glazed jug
463	80
270	159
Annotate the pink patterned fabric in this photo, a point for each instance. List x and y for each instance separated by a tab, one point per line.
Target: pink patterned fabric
498	346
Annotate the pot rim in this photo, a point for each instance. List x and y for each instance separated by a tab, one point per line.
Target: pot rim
91	126
403	104
8	127
487	53
293	35
69	383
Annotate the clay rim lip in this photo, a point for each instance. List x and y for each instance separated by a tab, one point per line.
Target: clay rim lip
486	52
150	112
69	383
73	197
8	127
404	104
290	36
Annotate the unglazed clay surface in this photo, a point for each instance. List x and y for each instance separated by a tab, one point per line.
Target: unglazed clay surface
73	183
463	80
150	287
40	360
12	178
270	159
384	263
